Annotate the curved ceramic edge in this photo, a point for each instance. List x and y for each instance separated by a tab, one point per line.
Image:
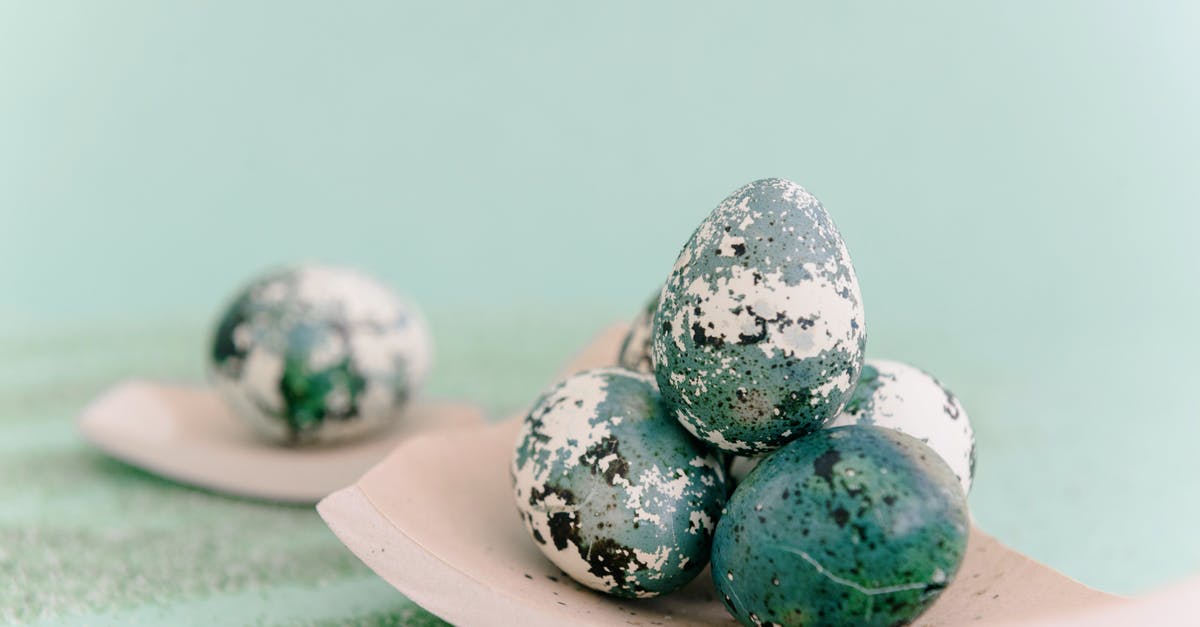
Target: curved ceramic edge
444	591
1174	605
187	434
996	585
476	561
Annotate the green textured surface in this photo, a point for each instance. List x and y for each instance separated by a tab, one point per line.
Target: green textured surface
1016	183
84	539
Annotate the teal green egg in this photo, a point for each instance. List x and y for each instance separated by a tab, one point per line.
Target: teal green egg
760	331
850	525
612	489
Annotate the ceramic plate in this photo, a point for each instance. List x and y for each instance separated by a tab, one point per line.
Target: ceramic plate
436	520
187	434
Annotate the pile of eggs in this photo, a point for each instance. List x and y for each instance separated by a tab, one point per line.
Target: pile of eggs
743	427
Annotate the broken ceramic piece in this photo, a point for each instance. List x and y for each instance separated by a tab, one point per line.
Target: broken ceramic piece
186	433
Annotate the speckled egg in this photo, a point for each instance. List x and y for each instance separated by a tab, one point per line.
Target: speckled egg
317	354
759	335
612	489
898	396
635	348
855	525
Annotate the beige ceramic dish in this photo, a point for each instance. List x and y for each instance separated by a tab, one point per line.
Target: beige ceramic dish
436	520
187	434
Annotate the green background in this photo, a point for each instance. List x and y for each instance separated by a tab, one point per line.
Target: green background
1017	183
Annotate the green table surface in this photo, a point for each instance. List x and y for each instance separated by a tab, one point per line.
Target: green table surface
88	540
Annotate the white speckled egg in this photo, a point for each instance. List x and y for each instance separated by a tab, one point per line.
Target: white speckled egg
316	354
898	396
612	489
759	335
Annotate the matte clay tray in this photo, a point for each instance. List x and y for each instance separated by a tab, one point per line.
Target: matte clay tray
186	433
436	520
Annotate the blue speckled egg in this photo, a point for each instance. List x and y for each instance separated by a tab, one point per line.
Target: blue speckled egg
759	335
612	489
318	354
855	525
898	396
636	353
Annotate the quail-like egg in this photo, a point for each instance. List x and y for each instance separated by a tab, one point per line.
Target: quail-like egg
898	396
852	525
635	348
316	354
759	335
612	489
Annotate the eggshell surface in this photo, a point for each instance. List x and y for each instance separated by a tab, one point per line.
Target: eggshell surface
759	335
898	396
636	352
318	354
852	525
612	489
